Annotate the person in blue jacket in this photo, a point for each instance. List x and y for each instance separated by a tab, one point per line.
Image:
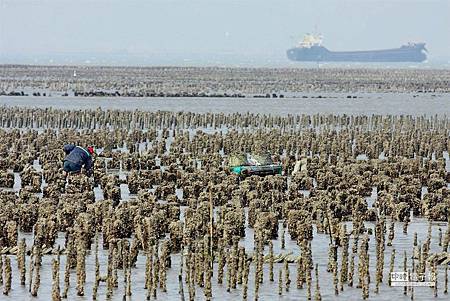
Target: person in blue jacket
77	157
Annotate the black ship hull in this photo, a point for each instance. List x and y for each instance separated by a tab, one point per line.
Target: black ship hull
407	53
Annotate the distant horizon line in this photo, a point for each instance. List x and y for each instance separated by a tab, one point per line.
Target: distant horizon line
333	65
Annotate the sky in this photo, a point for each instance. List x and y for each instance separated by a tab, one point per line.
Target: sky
176	30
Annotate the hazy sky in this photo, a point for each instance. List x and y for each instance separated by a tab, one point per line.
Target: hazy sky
205	27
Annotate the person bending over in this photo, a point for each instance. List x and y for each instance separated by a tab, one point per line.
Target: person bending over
77	157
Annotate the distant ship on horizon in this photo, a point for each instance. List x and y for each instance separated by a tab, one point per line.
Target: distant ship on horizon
311	50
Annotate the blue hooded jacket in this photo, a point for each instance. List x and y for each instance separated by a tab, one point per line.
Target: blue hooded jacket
78	155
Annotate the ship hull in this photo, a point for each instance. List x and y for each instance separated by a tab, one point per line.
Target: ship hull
415	53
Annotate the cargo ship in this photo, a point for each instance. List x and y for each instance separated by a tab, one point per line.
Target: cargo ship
311	50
